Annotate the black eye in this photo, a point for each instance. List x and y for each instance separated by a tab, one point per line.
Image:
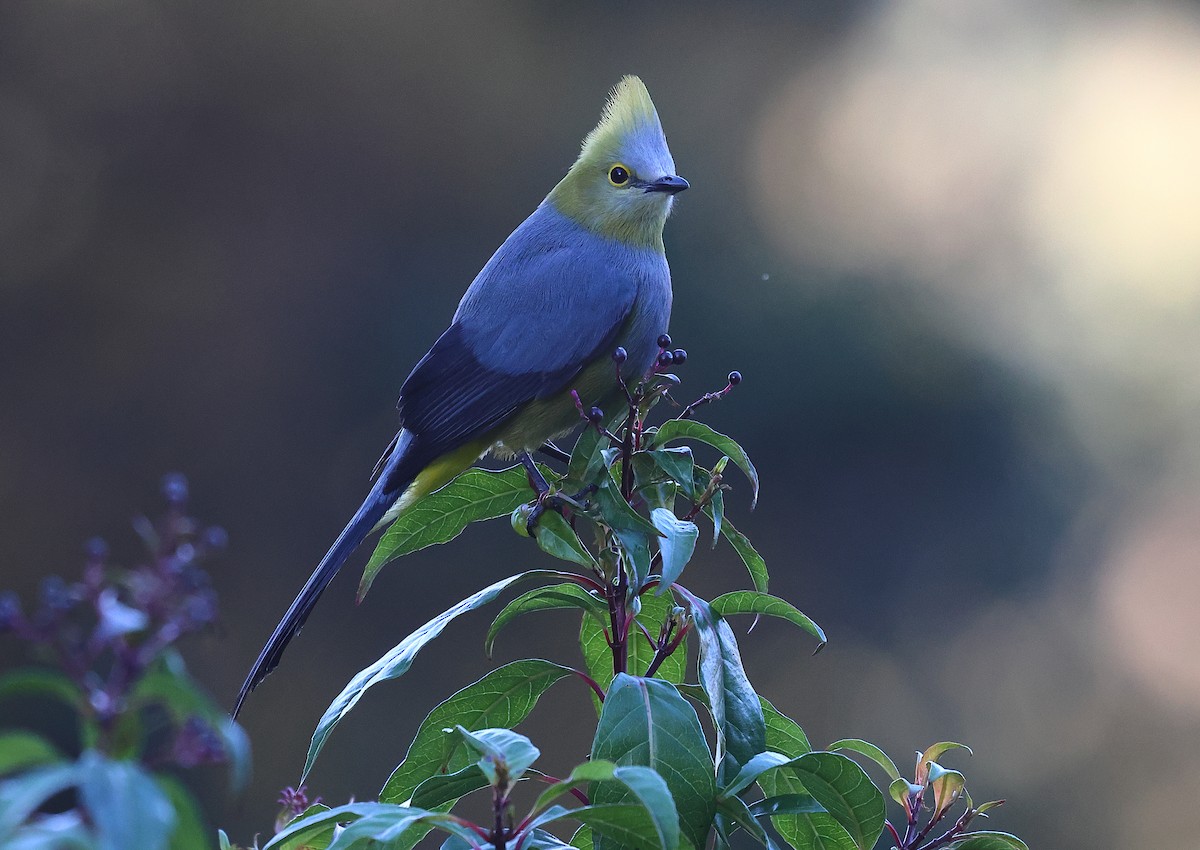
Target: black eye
618	175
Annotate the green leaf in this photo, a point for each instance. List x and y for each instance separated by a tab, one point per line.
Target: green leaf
318	840
64	831
677	465
865	748
124	802
190	832
168	684
947	786
555	537
502	698
754	562
989	841
784	735
565	595
597	655
802	830
753	602
505	755
442	515
933	753
622	825
716	512
646	722
311	827
587	447
736	811
39	682
690	429
736	710
399	659
446	787
22	795
641	784
395	828
582	839
900	789
786	804
677	544
751	770
23	750
845	791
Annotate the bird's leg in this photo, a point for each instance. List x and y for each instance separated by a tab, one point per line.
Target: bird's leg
552	451
545	498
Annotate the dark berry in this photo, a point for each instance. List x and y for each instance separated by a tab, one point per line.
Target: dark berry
664	341
175	488
215	538
666	358
735	378
679	355
10	610
595	416
620	355
56	595
96	549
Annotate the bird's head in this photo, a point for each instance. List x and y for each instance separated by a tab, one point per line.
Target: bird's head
623	184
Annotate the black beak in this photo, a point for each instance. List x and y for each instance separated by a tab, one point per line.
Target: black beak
670	185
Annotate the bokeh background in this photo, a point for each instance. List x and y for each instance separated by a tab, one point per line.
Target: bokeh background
954	247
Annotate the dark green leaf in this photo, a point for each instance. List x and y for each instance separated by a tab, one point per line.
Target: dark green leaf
587	447
786	804
845	791
646	722
394	828
502	698
318	840
582	839
311	827
555	537
504	754
397	661
37	682
623	825
23	750
442	515
716	512
446	787
753	602
736	710
734	810
677	544
124	802
639	784
751	770
784	735
677	464
989	841
754	562
856	745
190	832
690	429
565	595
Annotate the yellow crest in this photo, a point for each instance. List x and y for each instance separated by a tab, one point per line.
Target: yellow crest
628	110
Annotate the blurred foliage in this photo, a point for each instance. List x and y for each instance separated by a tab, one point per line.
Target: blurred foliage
107	647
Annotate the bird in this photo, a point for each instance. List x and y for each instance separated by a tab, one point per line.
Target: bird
585	274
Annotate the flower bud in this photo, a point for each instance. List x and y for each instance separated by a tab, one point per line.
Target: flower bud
664	341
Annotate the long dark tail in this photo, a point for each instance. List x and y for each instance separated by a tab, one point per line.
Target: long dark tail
394	477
